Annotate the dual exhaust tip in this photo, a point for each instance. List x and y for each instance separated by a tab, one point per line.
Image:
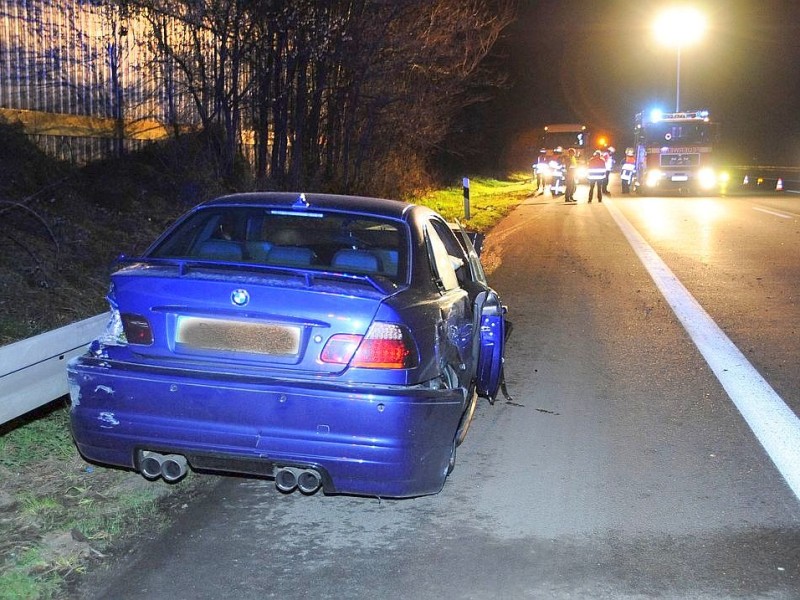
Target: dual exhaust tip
172	467
307	481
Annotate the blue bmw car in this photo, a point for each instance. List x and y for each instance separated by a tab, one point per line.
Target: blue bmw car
332	342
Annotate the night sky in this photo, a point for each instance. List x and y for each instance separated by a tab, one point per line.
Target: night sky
597	62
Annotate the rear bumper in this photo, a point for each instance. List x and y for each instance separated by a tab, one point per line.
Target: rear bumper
391	442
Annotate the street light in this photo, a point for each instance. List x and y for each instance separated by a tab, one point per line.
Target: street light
679	26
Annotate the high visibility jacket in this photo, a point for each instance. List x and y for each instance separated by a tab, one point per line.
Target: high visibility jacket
596	169
628	167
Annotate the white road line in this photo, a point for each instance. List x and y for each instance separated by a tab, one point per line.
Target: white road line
773	212
774	424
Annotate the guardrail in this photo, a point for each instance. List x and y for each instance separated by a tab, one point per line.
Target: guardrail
33	371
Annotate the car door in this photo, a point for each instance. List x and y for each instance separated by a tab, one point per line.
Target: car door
490	316
456	327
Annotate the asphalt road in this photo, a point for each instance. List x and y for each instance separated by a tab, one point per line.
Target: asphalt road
623	468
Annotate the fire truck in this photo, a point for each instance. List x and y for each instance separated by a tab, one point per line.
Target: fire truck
557	139
675	153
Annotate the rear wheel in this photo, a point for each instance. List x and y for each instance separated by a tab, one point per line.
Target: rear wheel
451	464
466	418
463	427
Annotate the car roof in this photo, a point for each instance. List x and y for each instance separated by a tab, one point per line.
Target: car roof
375	206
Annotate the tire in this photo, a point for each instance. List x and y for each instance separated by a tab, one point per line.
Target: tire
463	427
466	418
451	464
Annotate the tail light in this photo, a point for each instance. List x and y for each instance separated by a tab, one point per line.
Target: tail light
386	346
137	329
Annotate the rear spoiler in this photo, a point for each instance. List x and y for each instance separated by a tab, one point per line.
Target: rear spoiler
309	277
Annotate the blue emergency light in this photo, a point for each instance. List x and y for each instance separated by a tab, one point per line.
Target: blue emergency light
656	115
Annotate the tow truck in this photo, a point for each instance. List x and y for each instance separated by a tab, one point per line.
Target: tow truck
675	153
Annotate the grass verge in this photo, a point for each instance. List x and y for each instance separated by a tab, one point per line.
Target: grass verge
490	200
59	515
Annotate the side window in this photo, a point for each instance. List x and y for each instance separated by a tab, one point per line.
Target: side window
476	269
446	254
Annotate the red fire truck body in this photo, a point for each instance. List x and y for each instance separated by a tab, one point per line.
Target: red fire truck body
675	153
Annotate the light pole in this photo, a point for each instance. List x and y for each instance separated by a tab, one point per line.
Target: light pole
679	26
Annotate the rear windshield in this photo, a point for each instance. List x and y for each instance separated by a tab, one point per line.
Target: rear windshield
316	240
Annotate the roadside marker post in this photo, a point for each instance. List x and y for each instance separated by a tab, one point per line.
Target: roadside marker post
465	184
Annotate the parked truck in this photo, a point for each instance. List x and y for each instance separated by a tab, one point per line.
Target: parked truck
675	152
556	140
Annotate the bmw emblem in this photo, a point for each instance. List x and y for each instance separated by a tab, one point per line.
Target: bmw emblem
240	297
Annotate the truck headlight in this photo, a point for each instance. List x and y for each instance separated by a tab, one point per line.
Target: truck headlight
707	178
652	178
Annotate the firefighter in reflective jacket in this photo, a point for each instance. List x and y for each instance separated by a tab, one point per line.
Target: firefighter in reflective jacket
542	171
596	174
608	156
570	175
557	172
628	168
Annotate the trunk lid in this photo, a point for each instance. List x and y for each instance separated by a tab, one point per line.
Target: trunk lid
263	318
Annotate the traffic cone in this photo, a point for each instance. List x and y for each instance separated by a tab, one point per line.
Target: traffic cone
746	180
779	187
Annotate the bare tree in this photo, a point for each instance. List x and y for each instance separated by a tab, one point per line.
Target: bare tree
345	94
425	66
201	47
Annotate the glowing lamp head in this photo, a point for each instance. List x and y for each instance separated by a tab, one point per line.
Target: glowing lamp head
679	26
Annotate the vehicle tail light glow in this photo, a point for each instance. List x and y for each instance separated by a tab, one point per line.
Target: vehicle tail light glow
137	329
386	346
